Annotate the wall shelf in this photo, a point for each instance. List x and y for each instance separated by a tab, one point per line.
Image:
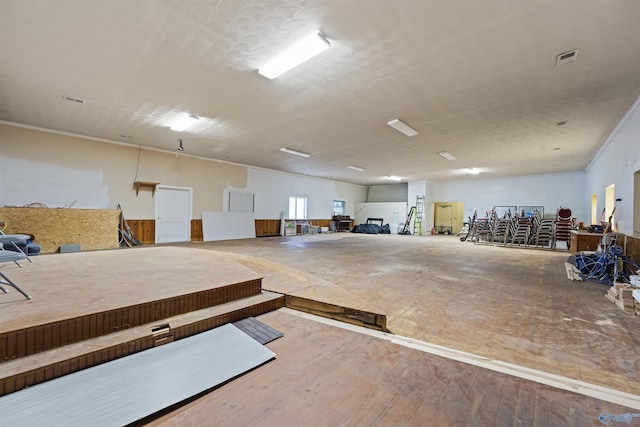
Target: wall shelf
145	184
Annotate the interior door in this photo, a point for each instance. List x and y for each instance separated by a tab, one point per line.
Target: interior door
173	214
448	217
444	218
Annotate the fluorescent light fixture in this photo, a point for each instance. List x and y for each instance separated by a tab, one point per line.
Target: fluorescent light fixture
297	153
184	122
472	171
393	178
402	127
302	51
446	155
355	168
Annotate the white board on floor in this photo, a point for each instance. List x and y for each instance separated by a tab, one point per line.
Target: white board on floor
228	225
125	390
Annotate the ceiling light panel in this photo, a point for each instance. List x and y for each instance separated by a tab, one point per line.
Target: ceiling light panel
184	121
356	168
294	152
401	126
300	52
446	155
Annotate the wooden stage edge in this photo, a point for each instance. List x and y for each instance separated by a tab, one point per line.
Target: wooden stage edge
92	307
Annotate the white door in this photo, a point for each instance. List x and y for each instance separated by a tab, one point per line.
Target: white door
173	214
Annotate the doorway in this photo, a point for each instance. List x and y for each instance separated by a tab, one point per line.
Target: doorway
173	214
609	204
448	217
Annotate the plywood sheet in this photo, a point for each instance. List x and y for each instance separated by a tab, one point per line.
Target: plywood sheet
128	389
92	229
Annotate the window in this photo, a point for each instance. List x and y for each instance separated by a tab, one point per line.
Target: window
338	207
297	207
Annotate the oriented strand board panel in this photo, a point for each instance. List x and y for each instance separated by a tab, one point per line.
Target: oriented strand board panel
125	390
92	229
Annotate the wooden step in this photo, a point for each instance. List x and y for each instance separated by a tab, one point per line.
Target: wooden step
37	368
367	319
34	339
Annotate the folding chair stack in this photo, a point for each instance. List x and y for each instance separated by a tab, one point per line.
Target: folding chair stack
541	231
519	229
483	230
500	227
563	226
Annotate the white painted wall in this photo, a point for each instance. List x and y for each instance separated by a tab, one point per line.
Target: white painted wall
616	163
56	169
550	191
273	189
388	193
423	188
392	213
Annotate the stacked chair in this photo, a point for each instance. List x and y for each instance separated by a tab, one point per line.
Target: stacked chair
482	229
519	230
563	225
526	231
500	227
542	231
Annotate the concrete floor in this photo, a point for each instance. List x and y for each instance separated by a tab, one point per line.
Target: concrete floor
509	304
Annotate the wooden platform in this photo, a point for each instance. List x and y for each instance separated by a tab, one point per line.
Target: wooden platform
329	376
92	307
509	304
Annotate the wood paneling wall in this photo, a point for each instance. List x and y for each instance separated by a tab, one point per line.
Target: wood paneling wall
267	227
271	227
196	230
632	247
144	229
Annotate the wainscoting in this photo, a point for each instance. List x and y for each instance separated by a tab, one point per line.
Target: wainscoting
144	229
631	246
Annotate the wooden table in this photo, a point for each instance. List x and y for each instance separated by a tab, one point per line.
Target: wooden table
582	241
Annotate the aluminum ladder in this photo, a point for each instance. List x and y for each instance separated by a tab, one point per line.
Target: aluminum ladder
417	224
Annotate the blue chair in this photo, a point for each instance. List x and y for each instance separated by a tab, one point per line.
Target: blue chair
21	243
11	256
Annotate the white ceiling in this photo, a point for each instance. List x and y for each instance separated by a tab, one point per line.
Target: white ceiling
475	78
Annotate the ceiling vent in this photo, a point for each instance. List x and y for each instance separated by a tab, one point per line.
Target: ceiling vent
565	57
69	98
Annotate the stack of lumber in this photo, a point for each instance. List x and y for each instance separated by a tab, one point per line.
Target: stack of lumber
621	295
572	272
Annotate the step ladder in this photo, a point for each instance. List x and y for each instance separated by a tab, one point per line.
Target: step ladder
417	225
406	229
